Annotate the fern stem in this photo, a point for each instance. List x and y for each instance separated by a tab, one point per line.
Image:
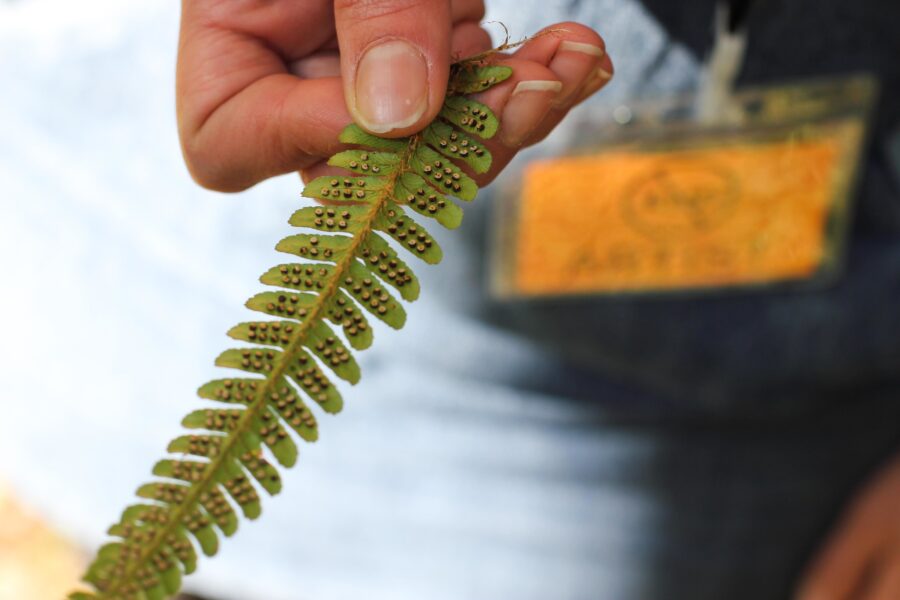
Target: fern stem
187	506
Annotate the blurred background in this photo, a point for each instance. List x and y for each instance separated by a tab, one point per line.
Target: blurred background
121	276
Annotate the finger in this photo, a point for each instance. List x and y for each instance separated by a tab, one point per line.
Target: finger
886	583
276	125
596	81
522	100
839	571
570	54
521	103
291	29
241	116
577	56
467	10
571	50
395	60
469	39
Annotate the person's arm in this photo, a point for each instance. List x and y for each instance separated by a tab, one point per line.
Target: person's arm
264	88
861	559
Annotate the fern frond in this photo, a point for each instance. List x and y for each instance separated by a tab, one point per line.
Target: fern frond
344	271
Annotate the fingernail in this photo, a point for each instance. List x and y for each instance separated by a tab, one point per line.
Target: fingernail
391	87
589	49
527	107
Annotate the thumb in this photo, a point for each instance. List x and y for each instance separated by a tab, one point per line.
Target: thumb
395	60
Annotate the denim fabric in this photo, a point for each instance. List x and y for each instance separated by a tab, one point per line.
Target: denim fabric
741	505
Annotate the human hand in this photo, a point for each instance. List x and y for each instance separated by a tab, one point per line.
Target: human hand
861	560
264	87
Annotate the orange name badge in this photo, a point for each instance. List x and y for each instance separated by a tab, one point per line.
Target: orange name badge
694	218
758	200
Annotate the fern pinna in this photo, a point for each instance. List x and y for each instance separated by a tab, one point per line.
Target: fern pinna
345	270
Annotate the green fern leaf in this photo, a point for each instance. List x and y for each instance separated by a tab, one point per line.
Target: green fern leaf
345	271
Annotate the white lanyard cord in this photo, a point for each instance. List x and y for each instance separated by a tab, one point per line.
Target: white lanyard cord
724	63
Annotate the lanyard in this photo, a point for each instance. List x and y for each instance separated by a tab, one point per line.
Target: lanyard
738	13
724	63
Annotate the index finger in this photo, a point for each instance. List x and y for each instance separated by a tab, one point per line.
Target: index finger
242	117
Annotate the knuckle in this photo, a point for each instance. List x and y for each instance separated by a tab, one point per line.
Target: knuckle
363	10
209	173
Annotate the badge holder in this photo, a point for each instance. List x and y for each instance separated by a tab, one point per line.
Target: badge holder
672	197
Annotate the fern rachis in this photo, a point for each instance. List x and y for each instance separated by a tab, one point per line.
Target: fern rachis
346	267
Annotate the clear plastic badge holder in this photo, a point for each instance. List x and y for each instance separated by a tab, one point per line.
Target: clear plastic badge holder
658	200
